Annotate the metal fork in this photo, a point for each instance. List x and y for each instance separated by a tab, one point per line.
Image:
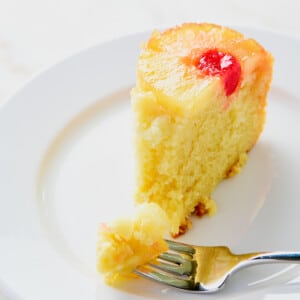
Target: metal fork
204	269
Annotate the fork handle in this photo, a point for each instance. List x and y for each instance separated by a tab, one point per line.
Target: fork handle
280	257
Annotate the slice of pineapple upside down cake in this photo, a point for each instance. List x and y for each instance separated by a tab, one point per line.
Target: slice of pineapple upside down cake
199	105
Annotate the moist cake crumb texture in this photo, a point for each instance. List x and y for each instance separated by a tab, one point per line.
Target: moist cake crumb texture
200	106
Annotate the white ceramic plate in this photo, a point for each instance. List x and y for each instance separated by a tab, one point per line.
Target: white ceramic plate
66	164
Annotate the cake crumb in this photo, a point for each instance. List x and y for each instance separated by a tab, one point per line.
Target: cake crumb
200	210
185	226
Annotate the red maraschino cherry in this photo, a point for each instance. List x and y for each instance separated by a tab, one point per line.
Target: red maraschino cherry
214	62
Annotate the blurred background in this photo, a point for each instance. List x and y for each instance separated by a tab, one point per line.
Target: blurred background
37	33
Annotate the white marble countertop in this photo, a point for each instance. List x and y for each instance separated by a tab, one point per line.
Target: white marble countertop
36	33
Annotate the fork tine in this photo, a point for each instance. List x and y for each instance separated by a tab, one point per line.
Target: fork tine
171	257
149	273
185	267
180	247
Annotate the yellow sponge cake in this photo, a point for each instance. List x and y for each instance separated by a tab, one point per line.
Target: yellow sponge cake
199	104
130	242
